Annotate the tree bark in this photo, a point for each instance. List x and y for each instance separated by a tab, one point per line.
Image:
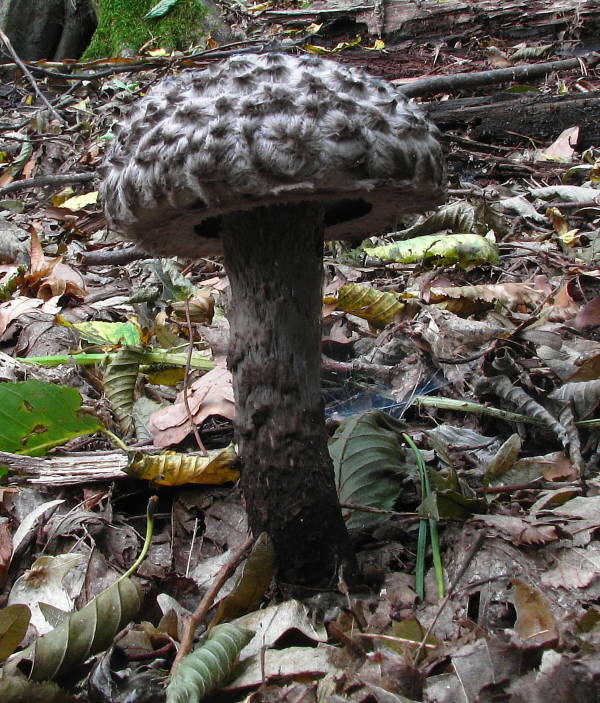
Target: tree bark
48	29
274	260
507	119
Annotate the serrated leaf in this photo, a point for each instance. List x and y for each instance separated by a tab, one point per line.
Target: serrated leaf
252	584
14	620
113	333
208	667
160	9
370	463
36	416
82	634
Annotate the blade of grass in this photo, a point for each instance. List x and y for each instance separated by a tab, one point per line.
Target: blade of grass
433	530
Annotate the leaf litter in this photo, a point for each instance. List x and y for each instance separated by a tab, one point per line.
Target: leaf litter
473	329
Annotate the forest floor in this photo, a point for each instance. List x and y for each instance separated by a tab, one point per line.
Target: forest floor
468	342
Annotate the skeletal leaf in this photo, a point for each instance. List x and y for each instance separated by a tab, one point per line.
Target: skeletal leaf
254	580
369	462
378	307
209	666
464	250
176	469
119	384
82	634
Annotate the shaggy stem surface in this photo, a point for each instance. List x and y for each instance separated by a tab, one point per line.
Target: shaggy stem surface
274	261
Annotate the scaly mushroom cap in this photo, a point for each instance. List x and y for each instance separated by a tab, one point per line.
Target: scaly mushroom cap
257	130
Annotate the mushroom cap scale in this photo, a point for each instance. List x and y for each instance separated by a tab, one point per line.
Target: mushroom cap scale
264	129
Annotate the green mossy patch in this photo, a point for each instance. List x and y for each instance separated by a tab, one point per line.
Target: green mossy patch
122	29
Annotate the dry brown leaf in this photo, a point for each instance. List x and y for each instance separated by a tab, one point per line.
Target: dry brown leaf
49	278
535	621
212	394
13	309
520	530
573	568
509	294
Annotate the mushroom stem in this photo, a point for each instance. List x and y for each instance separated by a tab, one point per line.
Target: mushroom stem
273	257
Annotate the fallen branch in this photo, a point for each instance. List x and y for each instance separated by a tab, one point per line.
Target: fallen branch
205	604
52	180
461	81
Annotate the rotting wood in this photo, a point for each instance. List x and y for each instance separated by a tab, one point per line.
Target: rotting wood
66	470
425	86
456	19
507	119
461	19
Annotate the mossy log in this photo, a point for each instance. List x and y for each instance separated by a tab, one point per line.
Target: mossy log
122	29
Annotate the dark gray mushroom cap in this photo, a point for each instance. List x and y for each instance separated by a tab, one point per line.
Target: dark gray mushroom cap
257	130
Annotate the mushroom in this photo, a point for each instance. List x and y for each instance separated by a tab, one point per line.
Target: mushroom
263	157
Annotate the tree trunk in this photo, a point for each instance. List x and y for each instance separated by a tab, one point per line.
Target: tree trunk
48	29
274	260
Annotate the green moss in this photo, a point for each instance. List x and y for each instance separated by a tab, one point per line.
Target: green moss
122	29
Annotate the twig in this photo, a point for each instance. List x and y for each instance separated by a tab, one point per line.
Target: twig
113	257
205	604
438	84
378	511
53	180
186	379
29	77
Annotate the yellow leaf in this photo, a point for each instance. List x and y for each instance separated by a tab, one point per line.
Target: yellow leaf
177	469
157	52
82	106
379	308
316	49
64	195
377	46
78	202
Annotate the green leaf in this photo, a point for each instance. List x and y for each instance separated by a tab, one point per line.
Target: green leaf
36	416
252	584
14	620
175	285
15	689
119	384
369	463
208	667
125	333
82	634
464	250
160	9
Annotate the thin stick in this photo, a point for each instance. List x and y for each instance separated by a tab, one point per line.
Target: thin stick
205	604
29	77
52	180
186	379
